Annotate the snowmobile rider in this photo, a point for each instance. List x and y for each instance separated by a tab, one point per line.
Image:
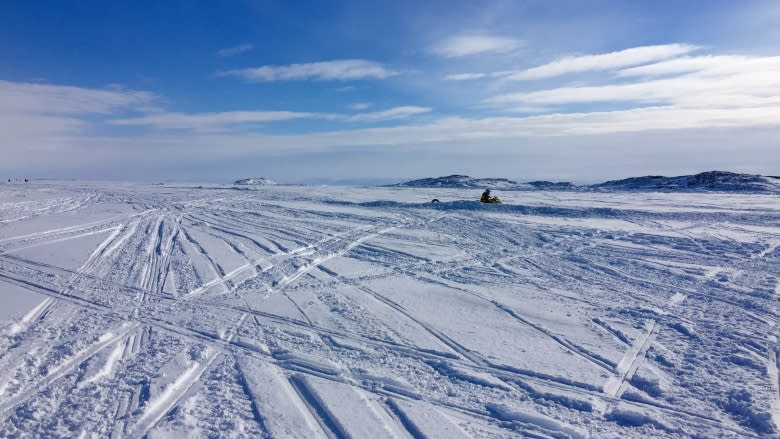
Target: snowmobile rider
485	196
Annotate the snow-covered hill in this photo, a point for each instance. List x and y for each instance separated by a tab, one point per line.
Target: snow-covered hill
132	310
551	185
713	180
460	182
255	181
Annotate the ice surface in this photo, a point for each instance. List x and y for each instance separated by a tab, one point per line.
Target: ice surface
132	310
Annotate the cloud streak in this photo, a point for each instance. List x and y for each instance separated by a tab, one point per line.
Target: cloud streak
227	120
733	85
338	70
236	50
721	92
586	63
604	61
688	64
33	98
465	76
394	113
467	45
210	121
359	105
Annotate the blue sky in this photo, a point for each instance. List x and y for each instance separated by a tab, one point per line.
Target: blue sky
325	91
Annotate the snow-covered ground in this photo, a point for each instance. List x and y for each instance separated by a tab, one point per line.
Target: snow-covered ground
281	311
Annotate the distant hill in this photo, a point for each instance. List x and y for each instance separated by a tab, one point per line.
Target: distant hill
460	181
722	181
255	181
712	180
543	184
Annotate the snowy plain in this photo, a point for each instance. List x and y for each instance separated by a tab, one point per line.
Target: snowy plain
132	310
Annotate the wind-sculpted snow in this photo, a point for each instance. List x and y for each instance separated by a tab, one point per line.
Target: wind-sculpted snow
135	310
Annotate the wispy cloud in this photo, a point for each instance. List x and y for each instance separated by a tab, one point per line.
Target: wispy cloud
465	76
230	120
586	63
725	92
36	117
235	50
359	106
35	98
751	83
464	45
210	121
338	70
604	61
688	64
402	112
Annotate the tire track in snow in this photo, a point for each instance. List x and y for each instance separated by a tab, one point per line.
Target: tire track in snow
32	316
219	272
73	229
772	364
64	369
153	251
157	408
427	354
167	251
506	375
630	362
110	365
570	346
48	305
281	258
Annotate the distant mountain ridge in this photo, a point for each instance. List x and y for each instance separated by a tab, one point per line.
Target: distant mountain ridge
256	181
712	180
460	181
705	181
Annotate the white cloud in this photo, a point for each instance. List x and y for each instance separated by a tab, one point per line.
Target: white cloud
359	106
209	121
456	130
34	98
724	92
464	76
230	120
34	115
605	61
236	50
402	112
340	70
687	64
464	45
743	89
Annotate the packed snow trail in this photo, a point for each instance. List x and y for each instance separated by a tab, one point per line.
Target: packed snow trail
138	310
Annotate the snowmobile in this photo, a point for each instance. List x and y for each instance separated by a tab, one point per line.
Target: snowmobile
486	198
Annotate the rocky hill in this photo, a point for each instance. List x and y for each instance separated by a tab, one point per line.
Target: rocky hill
712	180
255	181
460	181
